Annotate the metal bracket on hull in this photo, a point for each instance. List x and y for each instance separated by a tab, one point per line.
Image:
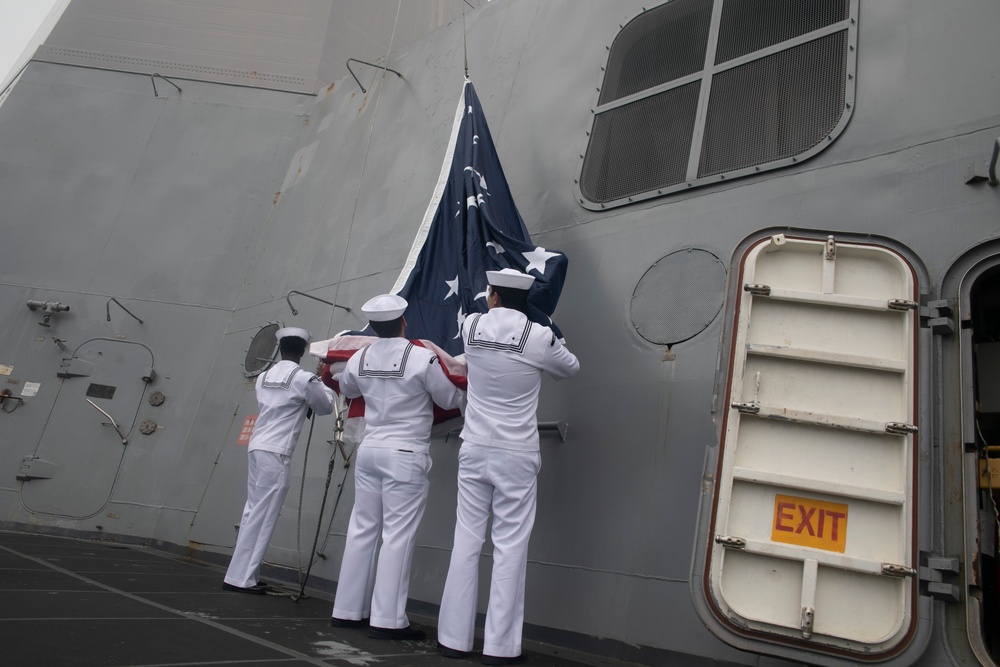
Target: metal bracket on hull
992	171
933	568
938	316
975	176
561	427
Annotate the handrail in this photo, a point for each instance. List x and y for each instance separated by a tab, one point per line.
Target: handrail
288	298
370	65
107	309
153	81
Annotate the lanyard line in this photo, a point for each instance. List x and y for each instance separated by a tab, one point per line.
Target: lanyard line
465	41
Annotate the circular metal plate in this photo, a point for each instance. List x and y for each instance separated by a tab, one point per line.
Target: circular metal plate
262	351
157	398
679	296
147	426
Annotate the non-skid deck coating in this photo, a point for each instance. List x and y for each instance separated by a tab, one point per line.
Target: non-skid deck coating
72	602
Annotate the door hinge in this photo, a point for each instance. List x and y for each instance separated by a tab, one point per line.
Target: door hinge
33	467
74	367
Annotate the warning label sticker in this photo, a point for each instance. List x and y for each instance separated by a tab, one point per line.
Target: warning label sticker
247	430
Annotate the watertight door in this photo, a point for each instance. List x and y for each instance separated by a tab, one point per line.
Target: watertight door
813	532
103	377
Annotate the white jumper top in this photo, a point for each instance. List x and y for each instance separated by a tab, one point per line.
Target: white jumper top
400	382
284	393
507	354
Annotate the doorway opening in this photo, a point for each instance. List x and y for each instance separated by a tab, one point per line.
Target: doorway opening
985	319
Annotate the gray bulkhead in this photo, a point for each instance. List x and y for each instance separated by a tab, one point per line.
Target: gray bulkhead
199	210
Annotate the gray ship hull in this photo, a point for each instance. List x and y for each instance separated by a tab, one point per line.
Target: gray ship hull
179	176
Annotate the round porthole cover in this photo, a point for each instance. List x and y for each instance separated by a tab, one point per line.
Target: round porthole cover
262	351
678	296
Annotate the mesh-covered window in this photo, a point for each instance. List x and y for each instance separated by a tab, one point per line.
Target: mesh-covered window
667	44
641	146
752	25
698	90
775	107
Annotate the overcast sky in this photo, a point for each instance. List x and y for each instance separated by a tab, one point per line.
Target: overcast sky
19	19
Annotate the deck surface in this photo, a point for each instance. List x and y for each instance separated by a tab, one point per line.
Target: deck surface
75	602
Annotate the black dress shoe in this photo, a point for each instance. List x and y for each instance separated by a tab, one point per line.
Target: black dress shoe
409	632
449	652
256	589
498	660
349	622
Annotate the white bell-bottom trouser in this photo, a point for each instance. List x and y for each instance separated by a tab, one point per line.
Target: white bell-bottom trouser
506	481
267	485
389	498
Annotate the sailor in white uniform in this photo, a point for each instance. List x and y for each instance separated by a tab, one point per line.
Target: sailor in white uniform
284	394
399	382
498	465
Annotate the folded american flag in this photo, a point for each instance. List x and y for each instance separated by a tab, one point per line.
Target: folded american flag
334	354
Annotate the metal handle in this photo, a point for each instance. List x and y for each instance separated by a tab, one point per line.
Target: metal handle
112	423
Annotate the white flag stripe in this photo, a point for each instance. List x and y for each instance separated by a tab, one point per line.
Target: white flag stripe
432	207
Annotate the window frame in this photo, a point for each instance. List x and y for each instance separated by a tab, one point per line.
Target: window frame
705	77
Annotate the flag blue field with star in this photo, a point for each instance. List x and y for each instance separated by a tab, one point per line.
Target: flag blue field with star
472	226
